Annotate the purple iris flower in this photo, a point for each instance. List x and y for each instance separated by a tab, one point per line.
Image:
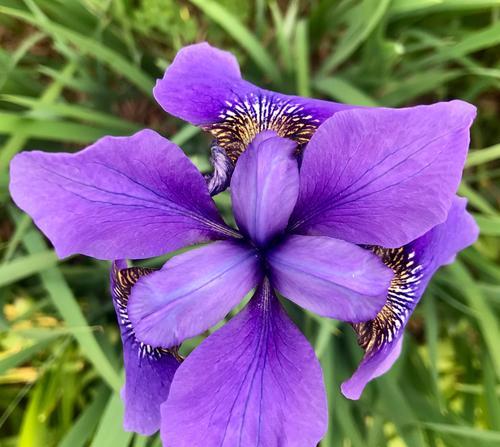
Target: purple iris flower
354	233
204	86
256	380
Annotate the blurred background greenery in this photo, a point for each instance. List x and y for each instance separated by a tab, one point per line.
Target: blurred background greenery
72	71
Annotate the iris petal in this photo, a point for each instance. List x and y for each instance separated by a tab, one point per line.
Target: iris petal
254	382
222	170
192	292
413	265
148	371
383	176
264	187
330	277
123	197
203	85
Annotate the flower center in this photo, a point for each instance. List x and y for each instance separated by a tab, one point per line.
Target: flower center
244	118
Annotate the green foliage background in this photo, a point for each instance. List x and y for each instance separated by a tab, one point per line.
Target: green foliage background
72	71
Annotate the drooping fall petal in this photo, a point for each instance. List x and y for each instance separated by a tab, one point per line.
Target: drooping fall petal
123	197
254	382
330	277
413	266
192	292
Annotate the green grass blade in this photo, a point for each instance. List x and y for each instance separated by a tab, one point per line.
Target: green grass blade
85	425
476	199
490	394
472	42
110	430
32	432
25	266
489	226
241	34
487	321
18	136
481	156
327	364
73	111
343	91
327	329
185	134
367	16
466	432
65	302
106	55
20	52
54	130
399	410
432	333
21	228
401	91
11	361
409	7
302	59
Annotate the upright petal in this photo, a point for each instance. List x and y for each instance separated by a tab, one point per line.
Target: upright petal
331	277
254	382
203	85
413	265
264	187
123	197
192	292
148	371
383	176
